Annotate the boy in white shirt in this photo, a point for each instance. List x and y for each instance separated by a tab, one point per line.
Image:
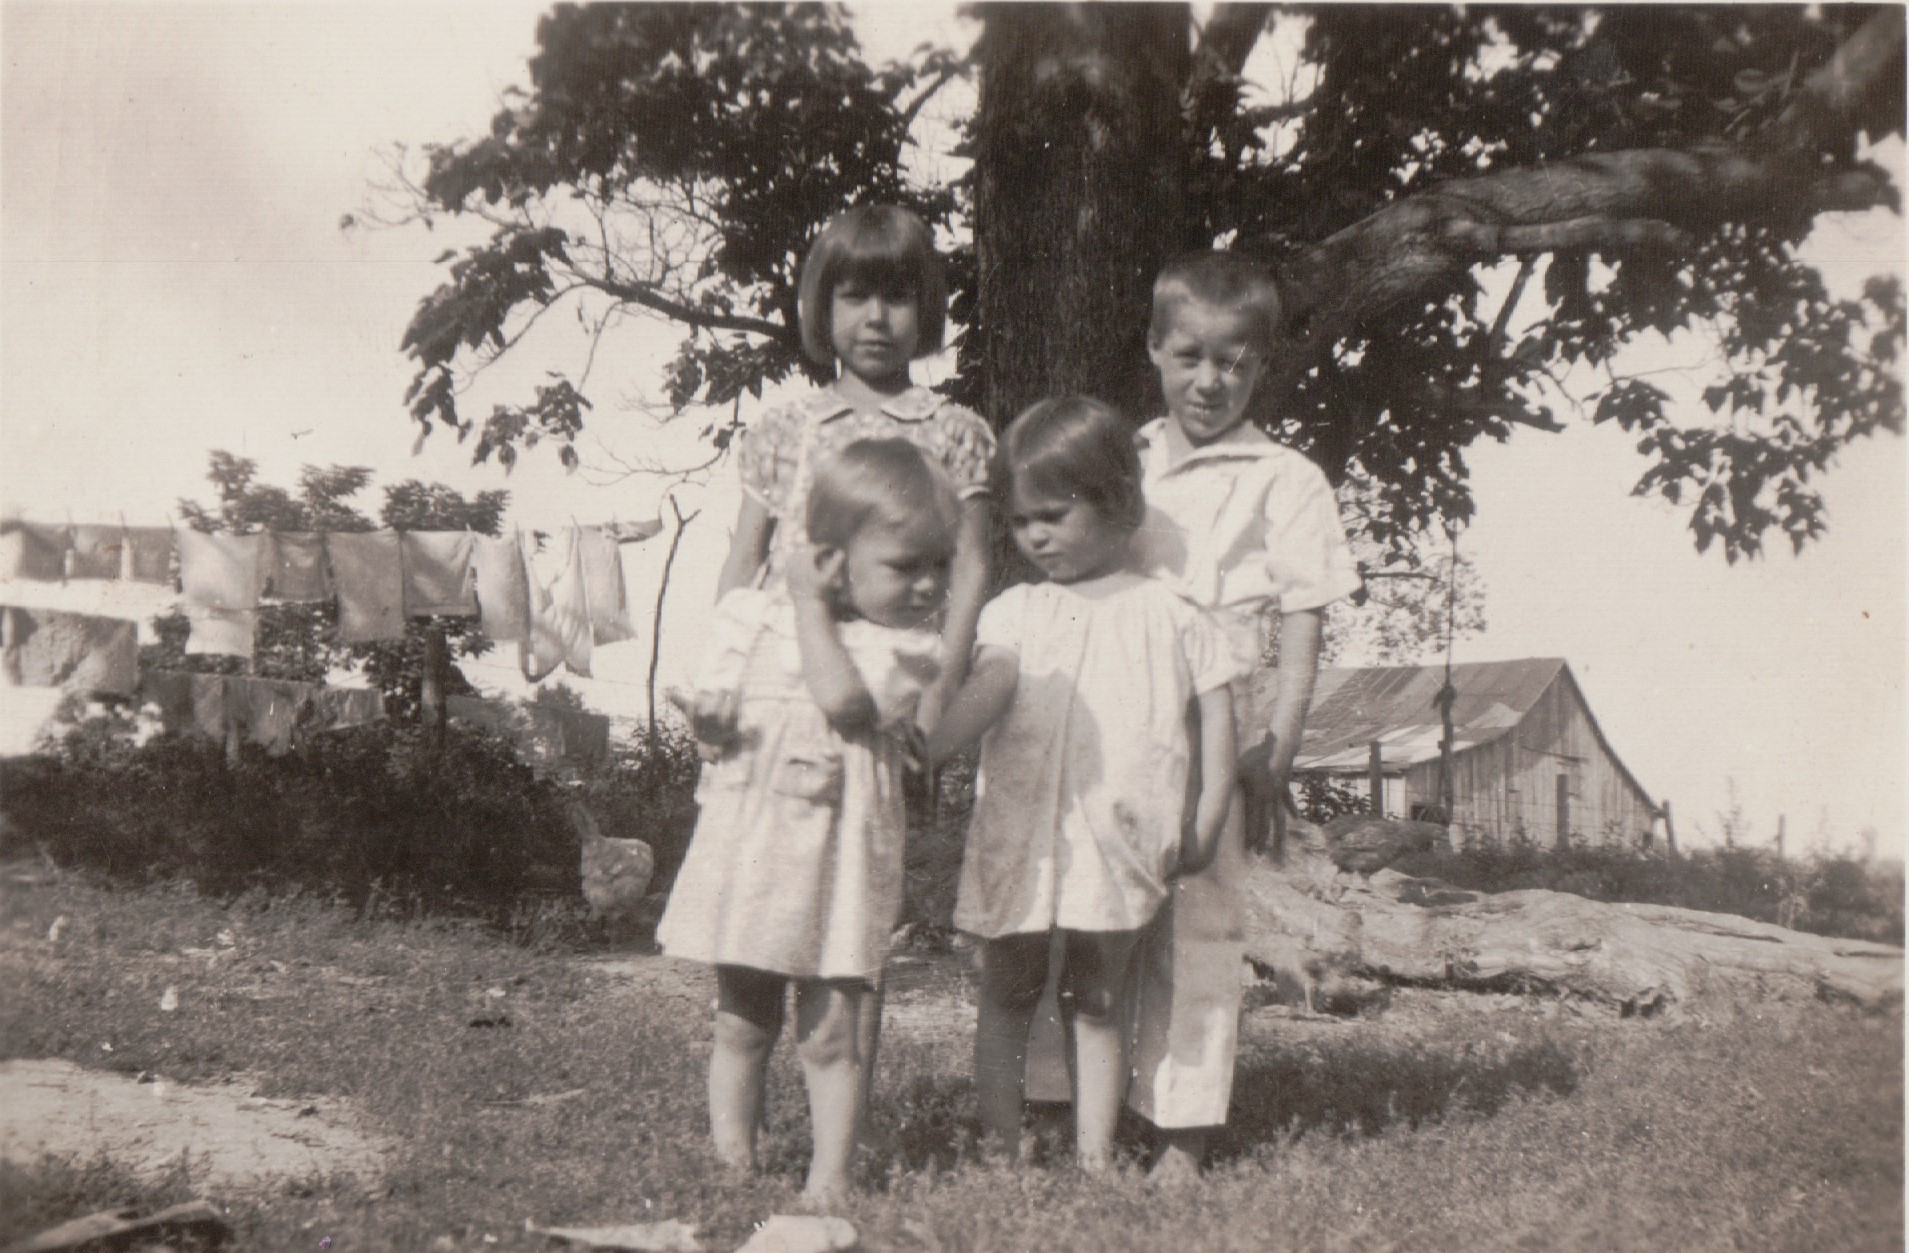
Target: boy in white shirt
1242	527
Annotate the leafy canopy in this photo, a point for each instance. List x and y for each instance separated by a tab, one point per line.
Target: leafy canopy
1644	170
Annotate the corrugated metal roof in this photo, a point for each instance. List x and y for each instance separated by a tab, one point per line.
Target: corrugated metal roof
1352	707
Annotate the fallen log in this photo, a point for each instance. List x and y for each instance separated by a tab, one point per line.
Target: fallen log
1317	924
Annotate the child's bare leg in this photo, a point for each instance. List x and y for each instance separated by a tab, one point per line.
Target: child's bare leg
748	1019
827	1030
868	1041
1013	974
1096	973
1184	1154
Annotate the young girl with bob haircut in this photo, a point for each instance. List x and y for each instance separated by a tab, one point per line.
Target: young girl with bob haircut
1089	799
794	874
872	298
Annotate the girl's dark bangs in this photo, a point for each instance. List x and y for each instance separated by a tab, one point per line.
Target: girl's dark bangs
883	259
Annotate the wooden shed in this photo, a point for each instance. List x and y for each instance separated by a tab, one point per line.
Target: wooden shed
1528	759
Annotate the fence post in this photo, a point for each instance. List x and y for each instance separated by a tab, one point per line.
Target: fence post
1375	779
1670	830
437	661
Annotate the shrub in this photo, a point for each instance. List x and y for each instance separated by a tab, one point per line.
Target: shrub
383	813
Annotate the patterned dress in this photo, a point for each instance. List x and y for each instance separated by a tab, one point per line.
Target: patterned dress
780	449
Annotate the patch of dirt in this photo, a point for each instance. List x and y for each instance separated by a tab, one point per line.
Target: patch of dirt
235	1140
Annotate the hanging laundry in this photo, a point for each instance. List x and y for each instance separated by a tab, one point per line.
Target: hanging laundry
222	632
267	711
635	532
335	708
369	573
503	596
437	573
221	571
98	552
146	554
78	652
33	550
603	583
27	716
296	570
559	618
209	705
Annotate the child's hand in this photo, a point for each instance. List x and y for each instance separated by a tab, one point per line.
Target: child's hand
815	573
712	717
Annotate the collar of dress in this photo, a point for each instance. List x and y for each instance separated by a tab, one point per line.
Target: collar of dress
1161	438
917	404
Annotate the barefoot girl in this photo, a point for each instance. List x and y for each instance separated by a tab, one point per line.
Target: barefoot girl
794	875
1082	809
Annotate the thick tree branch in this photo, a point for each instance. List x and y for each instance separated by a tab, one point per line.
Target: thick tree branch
704	319
1620	202
1831	99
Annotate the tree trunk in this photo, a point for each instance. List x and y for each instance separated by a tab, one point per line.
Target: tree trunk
1079	197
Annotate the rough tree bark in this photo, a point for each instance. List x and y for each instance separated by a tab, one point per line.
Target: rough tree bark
1078	192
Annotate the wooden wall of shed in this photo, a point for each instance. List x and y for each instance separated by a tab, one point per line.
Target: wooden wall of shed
1508	789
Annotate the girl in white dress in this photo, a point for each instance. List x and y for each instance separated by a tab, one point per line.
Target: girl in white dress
1088	801
794	874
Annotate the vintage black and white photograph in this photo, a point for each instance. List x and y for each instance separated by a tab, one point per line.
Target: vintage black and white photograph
951	627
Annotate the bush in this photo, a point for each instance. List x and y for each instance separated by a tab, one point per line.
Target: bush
648	792
375	813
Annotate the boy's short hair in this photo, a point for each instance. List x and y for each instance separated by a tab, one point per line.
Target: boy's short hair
866	480
1224	281
1080	447
882	245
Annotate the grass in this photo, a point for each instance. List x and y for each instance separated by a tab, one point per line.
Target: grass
1503	1123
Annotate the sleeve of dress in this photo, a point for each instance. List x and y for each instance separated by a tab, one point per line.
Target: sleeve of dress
761	455
1211	660
968	454
733	629
1002	620
896	666
1308	561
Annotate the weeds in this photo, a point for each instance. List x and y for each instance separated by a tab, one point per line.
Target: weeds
1499	1128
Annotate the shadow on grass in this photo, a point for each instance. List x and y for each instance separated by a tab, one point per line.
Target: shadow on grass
1282	1093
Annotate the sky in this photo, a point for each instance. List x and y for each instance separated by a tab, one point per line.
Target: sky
174	279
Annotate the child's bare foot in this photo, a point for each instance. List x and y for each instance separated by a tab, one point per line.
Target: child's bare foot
823	1198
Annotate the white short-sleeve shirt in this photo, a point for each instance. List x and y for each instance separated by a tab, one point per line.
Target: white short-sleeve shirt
1242	525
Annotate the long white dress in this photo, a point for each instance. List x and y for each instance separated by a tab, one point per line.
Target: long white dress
796	864
1083	782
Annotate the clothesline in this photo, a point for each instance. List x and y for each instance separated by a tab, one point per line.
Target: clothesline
555	601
